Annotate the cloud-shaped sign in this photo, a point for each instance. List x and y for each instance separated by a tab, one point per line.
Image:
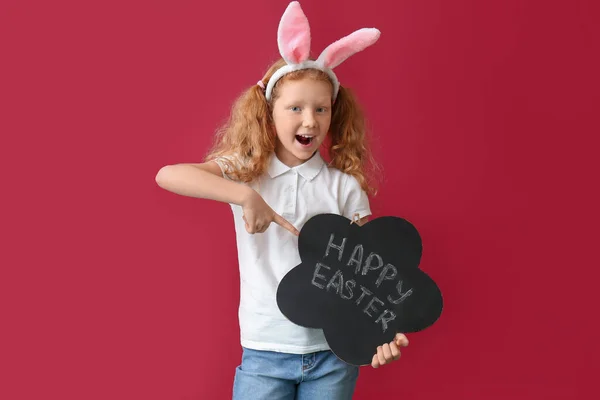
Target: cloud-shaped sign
360	284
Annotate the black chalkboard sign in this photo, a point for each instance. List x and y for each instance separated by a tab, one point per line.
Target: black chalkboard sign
360	284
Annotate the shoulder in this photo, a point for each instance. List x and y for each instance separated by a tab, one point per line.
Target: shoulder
232	159
338	180
335	173
350	183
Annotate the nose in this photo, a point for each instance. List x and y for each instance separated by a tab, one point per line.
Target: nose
309	120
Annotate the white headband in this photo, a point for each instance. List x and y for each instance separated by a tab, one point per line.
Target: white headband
293	39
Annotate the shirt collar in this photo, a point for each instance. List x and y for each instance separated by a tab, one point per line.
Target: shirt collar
308	170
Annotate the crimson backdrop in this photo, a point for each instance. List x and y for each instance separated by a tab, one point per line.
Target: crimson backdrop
482	111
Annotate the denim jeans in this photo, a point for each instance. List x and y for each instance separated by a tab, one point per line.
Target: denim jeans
279	376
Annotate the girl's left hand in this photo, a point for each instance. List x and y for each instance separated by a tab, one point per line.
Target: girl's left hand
389	352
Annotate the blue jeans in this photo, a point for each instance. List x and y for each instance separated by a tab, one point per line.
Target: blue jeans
279	376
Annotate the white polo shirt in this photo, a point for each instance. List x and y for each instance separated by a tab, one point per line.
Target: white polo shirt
297	194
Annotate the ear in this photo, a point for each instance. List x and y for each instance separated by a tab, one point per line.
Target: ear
337	52
293	35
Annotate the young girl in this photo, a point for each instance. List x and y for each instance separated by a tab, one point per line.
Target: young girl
267	165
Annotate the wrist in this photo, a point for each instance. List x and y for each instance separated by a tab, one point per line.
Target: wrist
246	195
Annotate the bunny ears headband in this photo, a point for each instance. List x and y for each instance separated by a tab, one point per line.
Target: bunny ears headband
293	39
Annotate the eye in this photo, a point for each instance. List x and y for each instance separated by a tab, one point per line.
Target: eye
322	109
295	108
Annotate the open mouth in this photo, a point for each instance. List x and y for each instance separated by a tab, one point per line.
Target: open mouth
304	140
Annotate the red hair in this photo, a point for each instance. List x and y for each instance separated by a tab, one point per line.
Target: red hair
248	133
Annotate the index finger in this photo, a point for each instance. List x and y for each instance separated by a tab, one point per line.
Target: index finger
279	220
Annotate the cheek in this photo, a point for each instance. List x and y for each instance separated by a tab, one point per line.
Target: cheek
278	122
326	123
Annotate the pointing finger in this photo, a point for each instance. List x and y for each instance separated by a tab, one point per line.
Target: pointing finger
279	220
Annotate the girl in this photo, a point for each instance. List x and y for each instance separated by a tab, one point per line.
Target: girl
267	165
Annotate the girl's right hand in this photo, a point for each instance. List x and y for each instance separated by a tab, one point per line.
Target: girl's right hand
258	215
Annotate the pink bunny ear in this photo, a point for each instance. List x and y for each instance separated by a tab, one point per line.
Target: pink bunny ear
337	52
293	36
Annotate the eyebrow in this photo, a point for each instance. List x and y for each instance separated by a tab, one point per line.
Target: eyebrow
319	103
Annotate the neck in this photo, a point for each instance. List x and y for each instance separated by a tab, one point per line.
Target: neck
289	159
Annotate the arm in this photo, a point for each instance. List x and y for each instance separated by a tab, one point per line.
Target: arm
205	181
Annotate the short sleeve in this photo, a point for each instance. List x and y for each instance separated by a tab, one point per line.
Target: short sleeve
355	199
228	164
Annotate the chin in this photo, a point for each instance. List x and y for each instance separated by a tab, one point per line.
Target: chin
305	155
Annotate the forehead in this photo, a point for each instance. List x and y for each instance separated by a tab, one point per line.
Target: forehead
305	89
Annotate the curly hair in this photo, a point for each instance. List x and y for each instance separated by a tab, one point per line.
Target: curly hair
249	132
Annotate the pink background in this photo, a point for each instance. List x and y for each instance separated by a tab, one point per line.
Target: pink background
485	115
